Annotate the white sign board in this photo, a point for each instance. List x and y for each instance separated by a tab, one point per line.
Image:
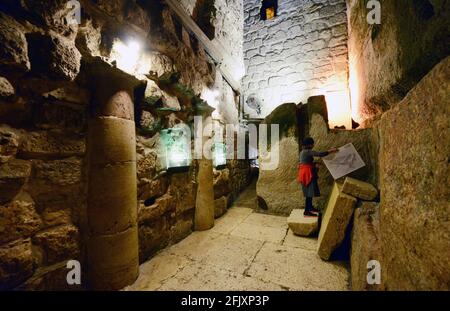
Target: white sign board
344	162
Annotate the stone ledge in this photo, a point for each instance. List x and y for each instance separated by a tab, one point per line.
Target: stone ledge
359	189
301	225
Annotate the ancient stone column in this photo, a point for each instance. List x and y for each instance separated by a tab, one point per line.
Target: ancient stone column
112	241
204	206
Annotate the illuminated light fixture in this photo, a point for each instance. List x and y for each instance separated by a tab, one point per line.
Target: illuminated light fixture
126	55
220	155
176	143
211	96
339	110
269	9
270	13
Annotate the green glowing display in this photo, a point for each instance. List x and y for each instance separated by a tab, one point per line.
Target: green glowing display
220	155
177	146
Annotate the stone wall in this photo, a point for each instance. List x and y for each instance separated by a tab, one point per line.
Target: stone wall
228	23
407	111
300	53
396	54
44	103
414	175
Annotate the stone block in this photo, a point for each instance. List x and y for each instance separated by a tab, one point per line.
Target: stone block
163	206
113	260
112	198
301	225
365	245
52	278
414	187
335	221
183	189
54	56
182	227
18	219
51	145
153	237
60	116
221	183
9	144
13	176
220	207
56	183
152	188
365	142
112	140
6	89
58	244
69	94
359	189
277	183
13	46
16	263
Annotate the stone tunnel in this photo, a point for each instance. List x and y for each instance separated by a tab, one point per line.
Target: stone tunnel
155	144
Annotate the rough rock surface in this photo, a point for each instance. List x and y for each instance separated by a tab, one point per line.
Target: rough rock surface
9	143
58	244
277	183
13	175
13	46
220	207
51	145
6	89
18	219
56	184
49	106
365	245
335	221
301	225
414	174
54	56
359	189
365	142
16	263
299	53
407	55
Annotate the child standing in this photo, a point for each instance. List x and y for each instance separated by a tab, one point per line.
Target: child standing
307	174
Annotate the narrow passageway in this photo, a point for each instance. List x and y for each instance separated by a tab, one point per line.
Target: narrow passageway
244	251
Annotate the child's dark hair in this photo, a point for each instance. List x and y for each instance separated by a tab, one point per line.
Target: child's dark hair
308	141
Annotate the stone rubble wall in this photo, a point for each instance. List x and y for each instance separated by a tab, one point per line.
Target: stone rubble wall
414	179
402	93
229	33
300	53
44	104
396	54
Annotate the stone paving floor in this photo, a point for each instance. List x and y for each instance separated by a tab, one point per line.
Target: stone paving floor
244	251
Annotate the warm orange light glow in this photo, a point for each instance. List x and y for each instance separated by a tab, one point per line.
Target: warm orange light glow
270	13
339	110
354	91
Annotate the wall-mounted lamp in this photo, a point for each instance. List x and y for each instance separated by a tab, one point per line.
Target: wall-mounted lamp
126	55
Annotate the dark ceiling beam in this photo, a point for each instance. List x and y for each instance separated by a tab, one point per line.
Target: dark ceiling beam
213	48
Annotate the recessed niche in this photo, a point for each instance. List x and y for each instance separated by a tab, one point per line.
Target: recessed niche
269	9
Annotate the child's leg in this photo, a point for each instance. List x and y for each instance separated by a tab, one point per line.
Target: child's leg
308	204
